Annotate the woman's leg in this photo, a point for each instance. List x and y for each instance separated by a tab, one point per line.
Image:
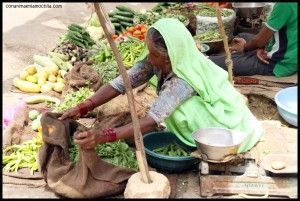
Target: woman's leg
244	64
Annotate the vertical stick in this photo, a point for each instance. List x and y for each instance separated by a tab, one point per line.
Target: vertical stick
228	60
140	152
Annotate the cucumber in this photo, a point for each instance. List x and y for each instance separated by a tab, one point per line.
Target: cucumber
75	27
122	18
75	33
112	19
126	24
111	14
126	9
125	14
116	25
40	99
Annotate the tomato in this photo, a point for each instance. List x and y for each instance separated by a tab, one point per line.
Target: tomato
131	29
137	32
139	26
114	37
143	30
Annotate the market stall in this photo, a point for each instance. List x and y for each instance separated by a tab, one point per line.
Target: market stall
73	70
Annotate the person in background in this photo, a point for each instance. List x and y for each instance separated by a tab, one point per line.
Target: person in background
273	51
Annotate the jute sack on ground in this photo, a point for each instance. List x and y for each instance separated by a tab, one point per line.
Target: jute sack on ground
82	75
91	177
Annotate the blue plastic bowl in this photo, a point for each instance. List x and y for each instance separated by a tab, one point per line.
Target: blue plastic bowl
286	100
165	163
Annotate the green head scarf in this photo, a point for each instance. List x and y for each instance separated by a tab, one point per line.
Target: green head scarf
217	104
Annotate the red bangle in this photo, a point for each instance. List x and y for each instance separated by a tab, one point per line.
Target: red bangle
83	109
110	134
93	103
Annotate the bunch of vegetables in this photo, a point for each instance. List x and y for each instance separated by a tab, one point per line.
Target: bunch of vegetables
171	150
117	153
79	36
209	11
151	17
45	75
71	99
24	155
138	31
130	51
108	70
162	6
72	52
208	36
121	18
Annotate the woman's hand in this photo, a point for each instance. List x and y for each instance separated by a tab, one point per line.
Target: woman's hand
89	139
238	45
262	55
72	113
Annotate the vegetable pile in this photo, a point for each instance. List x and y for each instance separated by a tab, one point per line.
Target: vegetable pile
72	52
209	36
151	17
121	18
45	75
171	150
71	99
209	11
162	6
24	155
79	36
104	61
138	31
117	153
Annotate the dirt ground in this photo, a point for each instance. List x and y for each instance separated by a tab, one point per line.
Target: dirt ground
35	31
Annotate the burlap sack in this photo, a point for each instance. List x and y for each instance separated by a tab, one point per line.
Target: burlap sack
82	75
91	177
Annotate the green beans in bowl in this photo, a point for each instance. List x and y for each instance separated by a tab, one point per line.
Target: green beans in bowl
165	152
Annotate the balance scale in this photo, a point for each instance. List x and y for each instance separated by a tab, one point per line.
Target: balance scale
243	176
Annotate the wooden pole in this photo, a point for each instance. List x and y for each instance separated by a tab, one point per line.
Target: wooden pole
228	60
140	152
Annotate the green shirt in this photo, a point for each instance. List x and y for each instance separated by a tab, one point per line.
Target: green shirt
283	47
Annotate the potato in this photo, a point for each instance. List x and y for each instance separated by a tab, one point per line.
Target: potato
52	78
31	78
58	87
46	88
23	75
41	81
31	69
59	79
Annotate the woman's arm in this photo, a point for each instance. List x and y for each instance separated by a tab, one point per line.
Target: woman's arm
89	139
103	95
147	124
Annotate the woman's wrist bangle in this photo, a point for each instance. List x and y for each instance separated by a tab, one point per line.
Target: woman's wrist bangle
110	134
83	108
93	104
